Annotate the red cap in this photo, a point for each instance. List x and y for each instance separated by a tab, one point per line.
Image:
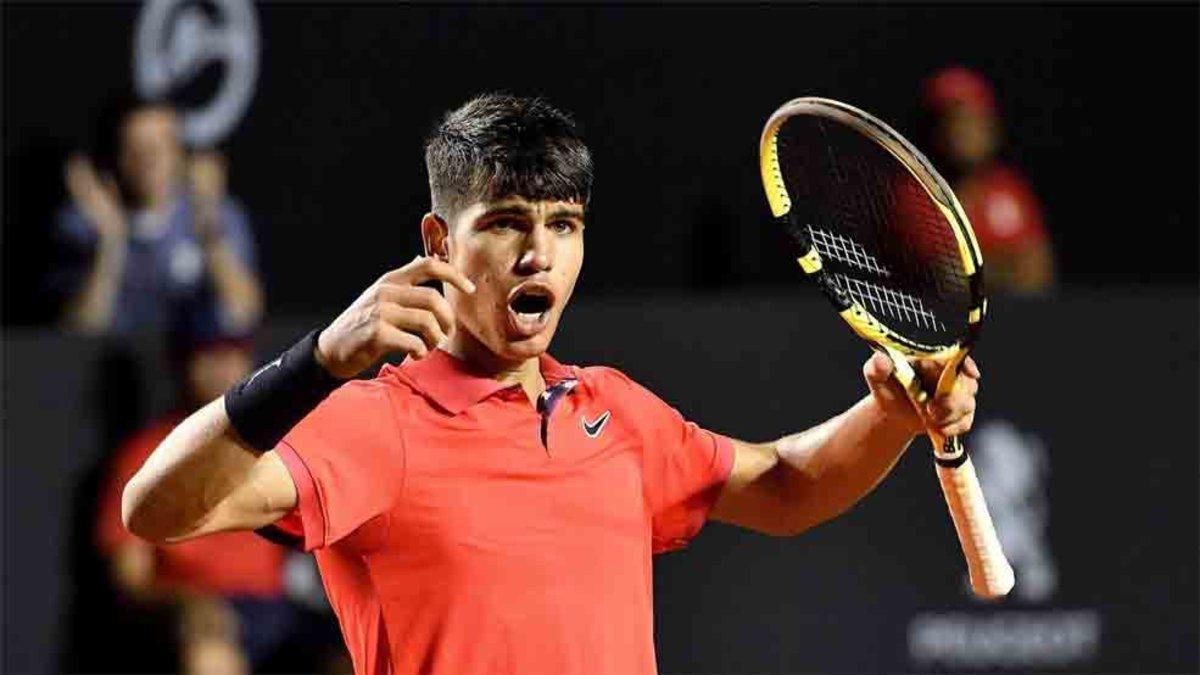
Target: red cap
957	85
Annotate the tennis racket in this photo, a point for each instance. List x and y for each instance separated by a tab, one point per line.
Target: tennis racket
885	238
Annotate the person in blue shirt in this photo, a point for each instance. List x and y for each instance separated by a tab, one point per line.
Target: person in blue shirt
153	239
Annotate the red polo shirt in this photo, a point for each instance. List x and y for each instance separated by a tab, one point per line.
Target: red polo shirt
461	529
1003	209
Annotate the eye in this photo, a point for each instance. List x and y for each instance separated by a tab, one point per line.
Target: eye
563	226
502	224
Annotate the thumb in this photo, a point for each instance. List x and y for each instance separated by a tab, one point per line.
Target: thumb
878	369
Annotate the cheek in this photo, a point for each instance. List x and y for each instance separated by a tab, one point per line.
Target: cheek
476	256
487	267
571	265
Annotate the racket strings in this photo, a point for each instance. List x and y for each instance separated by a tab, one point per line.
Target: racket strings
833	246
883	240
888	302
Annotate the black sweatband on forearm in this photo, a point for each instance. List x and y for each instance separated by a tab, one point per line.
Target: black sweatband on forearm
266	404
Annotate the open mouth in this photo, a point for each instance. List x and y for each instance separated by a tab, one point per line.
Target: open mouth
529	308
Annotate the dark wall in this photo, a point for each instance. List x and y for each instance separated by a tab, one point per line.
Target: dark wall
1101	108
1088	455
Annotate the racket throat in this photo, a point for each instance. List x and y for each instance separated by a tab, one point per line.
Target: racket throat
904	373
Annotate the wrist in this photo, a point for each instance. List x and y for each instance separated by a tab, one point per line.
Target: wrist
319	355
322	351
266	404
900	416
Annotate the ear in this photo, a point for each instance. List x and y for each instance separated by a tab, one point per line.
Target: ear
435	233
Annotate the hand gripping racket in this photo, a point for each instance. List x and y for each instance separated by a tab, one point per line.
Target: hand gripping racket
886	240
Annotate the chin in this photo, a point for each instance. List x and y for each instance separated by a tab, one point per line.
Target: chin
525	348
515	347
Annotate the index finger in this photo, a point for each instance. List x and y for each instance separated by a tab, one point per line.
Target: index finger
426	268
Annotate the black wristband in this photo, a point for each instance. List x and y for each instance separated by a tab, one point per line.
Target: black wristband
267	403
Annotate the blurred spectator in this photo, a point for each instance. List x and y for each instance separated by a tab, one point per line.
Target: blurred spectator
150	237
1002	207
228	589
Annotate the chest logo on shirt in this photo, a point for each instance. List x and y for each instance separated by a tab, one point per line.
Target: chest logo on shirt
593	428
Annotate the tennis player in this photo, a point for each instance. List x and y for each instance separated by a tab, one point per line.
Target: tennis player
483	508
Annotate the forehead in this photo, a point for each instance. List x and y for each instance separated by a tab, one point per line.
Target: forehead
519	206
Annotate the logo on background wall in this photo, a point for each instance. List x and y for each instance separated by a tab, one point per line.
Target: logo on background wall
1014	470
178	42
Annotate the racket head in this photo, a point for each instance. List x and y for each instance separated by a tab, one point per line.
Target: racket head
876	226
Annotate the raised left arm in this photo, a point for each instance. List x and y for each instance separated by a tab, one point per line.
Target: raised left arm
789	485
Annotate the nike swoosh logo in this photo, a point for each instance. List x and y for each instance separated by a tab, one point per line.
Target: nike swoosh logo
593	429
264	369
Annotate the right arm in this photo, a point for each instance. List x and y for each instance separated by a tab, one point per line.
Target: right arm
205	478
201	479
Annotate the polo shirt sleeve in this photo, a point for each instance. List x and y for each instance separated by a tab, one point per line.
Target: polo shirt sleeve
684	468
347	462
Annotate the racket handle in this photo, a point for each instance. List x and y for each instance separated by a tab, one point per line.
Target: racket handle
991	575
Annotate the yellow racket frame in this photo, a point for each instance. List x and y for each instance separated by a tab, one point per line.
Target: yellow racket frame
868	326
990	573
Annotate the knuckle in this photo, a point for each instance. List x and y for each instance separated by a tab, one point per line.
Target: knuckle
425	295
373	293
385	291
431	320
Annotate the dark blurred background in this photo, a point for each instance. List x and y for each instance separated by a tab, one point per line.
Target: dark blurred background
1092	447
1099	107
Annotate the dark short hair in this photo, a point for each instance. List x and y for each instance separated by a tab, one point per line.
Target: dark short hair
497	145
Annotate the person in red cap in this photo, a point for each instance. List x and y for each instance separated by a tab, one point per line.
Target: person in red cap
229	588
1001	205
483	508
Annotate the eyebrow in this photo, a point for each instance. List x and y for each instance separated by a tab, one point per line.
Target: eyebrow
559	212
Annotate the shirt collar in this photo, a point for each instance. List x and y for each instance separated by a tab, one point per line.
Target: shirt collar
452	385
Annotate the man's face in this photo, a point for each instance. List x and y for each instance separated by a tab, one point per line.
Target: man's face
524	258
151	156
967	137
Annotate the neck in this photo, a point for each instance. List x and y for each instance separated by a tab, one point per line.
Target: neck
527	372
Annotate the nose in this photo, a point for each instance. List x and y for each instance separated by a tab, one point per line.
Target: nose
538	252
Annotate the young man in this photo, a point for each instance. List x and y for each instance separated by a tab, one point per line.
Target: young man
483	508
